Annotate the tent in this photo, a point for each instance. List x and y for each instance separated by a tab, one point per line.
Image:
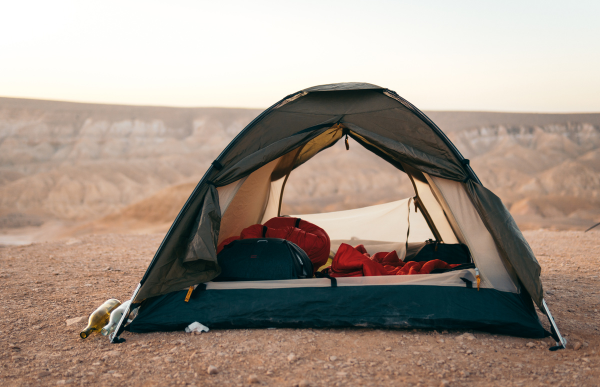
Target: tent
245	186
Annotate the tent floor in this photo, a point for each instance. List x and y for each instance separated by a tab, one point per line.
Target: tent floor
390	306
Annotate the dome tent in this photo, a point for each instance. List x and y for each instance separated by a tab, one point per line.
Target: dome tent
245	185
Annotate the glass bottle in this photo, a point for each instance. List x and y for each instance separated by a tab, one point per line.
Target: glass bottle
100	317
115	317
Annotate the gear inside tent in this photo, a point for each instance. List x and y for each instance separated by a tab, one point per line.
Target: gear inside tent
495	288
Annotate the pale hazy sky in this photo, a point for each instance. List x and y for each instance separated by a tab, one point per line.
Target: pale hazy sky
445	55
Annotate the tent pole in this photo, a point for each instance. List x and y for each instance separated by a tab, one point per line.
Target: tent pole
114	336
561	341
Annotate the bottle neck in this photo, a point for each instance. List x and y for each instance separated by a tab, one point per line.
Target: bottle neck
86	332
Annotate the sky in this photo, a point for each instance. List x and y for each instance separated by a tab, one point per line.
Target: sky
522	56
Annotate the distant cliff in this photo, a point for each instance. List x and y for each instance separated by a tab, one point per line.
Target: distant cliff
82	162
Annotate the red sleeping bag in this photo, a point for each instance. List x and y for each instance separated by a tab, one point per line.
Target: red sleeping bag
355	262
310	238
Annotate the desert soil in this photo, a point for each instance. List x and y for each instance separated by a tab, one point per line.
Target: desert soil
42	285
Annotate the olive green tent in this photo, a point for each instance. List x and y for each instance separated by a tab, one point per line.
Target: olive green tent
245	185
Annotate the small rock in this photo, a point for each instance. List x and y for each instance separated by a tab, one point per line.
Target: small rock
469	352
43	374
341	374
530	344
269	372
292	358
388	349
332	358
253	379
577	346
304	383
14	347
212	370
76	320
112	353
445	383
117	375
169	359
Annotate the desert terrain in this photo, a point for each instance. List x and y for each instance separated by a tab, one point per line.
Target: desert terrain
47	285
74	169
88	191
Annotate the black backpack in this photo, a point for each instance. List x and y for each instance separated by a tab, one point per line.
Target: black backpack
448	252
263	259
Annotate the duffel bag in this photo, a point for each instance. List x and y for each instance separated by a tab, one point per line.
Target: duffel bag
263	259
450	253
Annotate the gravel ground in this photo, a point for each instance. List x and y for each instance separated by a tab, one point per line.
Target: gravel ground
44	284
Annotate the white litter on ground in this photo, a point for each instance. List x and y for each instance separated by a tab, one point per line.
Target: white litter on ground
196	327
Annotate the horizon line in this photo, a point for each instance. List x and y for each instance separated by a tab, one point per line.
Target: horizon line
264	108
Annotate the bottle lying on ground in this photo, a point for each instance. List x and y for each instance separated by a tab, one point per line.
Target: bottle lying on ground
100	317
115	317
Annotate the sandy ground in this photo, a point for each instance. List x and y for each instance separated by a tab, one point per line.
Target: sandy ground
44	284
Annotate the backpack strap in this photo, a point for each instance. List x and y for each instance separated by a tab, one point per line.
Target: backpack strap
264	231
297	225
325	274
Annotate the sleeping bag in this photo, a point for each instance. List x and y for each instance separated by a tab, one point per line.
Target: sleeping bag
355	262
309	237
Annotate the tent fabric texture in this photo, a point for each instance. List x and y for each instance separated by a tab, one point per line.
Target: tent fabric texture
244	186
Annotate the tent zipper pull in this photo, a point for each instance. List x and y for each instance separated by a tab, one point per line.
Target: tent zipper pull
478	278
347	144
189	293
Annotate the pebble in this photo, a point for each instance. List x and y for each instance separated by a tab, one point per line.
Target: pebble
531	344
169	359
269	372
253	379
43	374
112	353
467	336
304	383
577	346
445	383
332	358
212	370
75	320
388	349
292	358
341	374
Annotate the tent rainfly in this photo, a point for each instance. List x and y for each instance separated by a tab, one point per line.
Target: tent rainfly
245	185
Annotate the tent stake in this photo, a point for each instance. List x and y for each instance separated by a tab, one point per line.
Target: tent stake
114	336
562	342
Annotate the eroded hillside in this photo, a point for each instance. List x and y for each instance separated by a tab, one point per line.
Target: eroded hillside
107	168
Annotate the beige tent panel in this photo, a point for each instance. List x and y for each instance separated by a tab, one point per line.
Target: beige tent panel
435	211
460	210
248	205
